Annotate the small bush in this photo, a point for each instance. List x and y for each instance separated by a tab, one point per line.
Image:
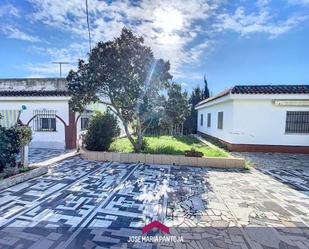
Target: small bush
103	128
9	147
24	135
11	141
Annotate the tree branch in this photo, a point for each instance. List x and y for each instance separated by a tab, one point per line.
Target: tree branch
125	124
105	103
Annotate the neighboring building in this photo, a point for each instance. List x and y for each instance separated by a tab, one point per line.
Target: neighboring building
43	104
266	118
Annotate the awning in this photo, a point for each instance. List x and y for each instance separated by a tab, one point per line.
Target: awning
9	118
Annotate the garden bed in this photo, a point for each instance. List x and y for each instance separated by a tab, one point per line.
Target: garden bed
168	145
21	177
34	170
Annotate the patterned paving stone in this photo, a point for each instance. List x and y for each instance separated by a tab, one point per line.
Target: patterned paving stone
291	169
37	155
91	204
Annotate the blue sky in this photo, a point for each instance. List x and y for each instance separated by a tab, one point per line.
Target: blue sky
232	42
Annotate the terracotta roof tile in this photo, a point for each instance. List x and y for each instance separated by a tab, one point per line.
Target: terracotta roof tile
271	89
260	89
25	93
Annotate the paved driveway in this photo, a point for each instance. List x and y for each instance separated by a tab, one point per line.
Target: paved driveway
291	169
89	204
37	155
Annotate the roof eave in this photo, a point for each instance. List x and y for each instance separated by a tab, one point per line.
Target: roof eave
214	101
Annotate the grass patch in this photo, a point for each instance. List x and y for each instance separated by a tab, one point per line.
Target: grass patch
168	145
24	169
248	164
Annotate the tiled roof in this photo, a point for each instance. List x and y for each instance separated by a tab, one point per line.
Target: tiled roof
224	93
271	89
260	89
24	93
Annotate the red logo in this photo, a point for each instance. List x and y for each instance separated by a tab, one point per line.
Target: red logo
155	224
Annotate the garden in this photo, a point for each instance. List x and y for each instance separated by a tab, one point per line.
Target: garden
103	135
157	114
168	145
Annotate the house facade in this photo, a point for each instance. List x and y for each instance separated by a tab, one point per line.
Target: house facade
43	104
270	118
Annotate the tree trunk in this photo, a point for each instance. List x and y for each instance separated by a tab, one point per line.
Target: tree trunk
126	129
139	134
25	155
129	135
136	145
182	129
171	130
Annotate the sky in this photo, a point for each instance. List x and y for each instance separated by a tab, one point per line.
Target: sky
231	42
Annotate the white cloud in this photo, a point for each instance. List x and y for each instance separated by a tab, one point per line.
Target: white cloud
8	10
195	52
256	22
168	26
15	33
189	75
71	54
8	14
174	29
42	69
262	3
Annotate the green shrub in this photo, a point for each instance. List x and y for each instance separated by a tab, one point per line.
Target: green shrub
11	141
103	128
24	134
9	147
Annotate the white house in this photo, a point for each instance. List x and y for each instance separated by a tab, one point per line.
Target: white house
43	104
266	118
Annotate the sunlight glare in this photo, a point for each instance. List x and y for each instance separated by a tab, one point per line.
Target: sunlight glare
168	20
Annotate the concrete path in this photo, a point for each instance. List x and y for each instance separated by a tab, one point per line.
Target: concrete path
90	204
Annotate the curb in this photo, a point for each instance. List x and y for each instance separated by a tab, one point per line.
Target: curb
212	162
40	169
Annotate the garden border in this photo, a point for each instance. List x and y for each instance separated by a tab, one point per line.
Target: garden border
212	162
41	168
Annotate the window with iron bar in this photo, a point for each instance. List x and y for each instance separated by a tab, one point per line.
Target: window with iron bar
45	120
297	122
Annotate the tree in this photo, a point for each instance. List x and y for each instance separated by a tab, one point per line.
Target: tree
197	95
190	124
103	128
125	72
206	94
176	107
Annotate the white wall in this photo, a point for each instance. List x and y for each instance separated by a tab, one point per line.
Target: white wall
98	107
227	109
54	140
263	122
252	119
